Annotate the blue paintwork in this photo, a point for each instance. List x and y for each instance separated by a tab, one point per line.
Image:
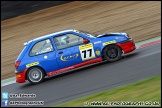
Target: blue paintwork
53	61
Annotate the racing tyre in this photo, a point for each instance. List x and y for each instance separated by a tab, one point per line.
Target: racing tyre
112	53
35	75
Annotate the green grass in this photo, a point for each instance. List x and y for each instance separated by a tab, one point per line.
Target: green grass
148	90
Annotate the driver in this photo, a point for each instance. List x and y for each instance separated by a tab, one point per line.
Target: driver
65	40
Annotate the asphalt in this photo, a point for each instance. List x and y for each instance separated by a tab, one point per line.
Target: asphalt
137	65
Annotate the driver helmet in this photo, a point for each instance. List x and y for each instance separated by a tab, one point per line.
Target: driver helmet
64	40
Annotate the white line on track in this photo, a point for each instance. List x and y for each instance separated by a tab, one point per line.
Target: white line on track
8	83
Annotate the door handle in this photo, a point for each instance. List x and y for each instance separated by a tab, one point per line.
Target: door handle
60	52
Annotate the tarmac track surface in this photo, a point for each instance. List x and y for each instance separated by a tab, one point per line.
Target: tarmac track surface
137	65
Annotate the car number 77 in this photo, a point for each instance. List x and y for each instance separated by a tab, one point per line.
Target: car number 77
87	51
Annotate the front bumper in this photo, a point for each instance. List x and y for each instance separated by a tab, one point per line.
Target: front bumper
20	76
127	46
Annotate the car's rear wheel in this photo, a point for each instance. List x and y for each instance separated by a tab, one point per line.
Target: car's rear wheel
112	53
35	75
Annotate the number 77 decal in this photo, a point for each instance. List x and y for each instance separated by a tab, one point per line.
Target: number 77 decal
87	51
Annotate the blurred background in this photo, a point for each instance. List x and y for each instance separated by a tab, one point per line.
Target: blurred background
11	9
22	21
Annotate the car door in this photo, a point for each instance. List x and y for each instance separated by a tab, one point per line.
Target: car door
43	53
71	50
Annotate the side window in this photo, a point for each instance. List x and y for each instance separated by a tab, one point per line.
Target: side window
41	47
68	40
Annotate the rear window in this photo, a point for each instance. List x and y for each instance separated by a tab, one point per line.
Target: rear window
41	47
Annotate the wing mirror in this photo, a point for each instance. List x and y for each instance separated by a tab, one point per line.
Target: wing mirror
85	41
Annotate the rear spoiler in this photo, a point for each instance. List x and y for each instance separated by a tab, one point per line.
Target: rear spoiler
25	43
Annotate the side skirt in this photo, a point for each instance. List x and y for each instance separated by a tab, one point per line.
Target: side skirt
77	66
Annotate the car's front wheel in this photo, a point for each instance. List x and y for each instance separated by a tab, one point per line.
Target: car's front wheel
35	75
112	53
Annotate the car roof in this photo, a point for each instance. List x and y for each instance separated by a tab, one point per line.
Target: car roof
52	34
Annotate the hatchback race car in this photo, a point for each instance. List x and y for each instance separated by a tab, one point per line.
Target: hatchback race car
66	50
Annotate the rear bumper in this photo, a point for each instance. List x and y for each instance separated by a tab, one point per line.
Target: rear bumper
127	46
20	76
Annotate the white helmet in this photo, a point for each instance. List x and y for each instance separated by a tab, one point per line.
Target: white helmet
64	40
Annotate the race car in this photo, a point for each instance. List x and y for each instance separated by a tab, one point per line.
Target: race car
63	51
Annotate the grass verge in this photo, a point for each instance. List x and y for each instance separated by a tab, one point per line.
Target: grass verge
146	92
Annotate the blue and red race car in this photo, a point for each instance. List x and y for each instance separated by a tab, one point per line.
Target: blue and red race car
66	50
